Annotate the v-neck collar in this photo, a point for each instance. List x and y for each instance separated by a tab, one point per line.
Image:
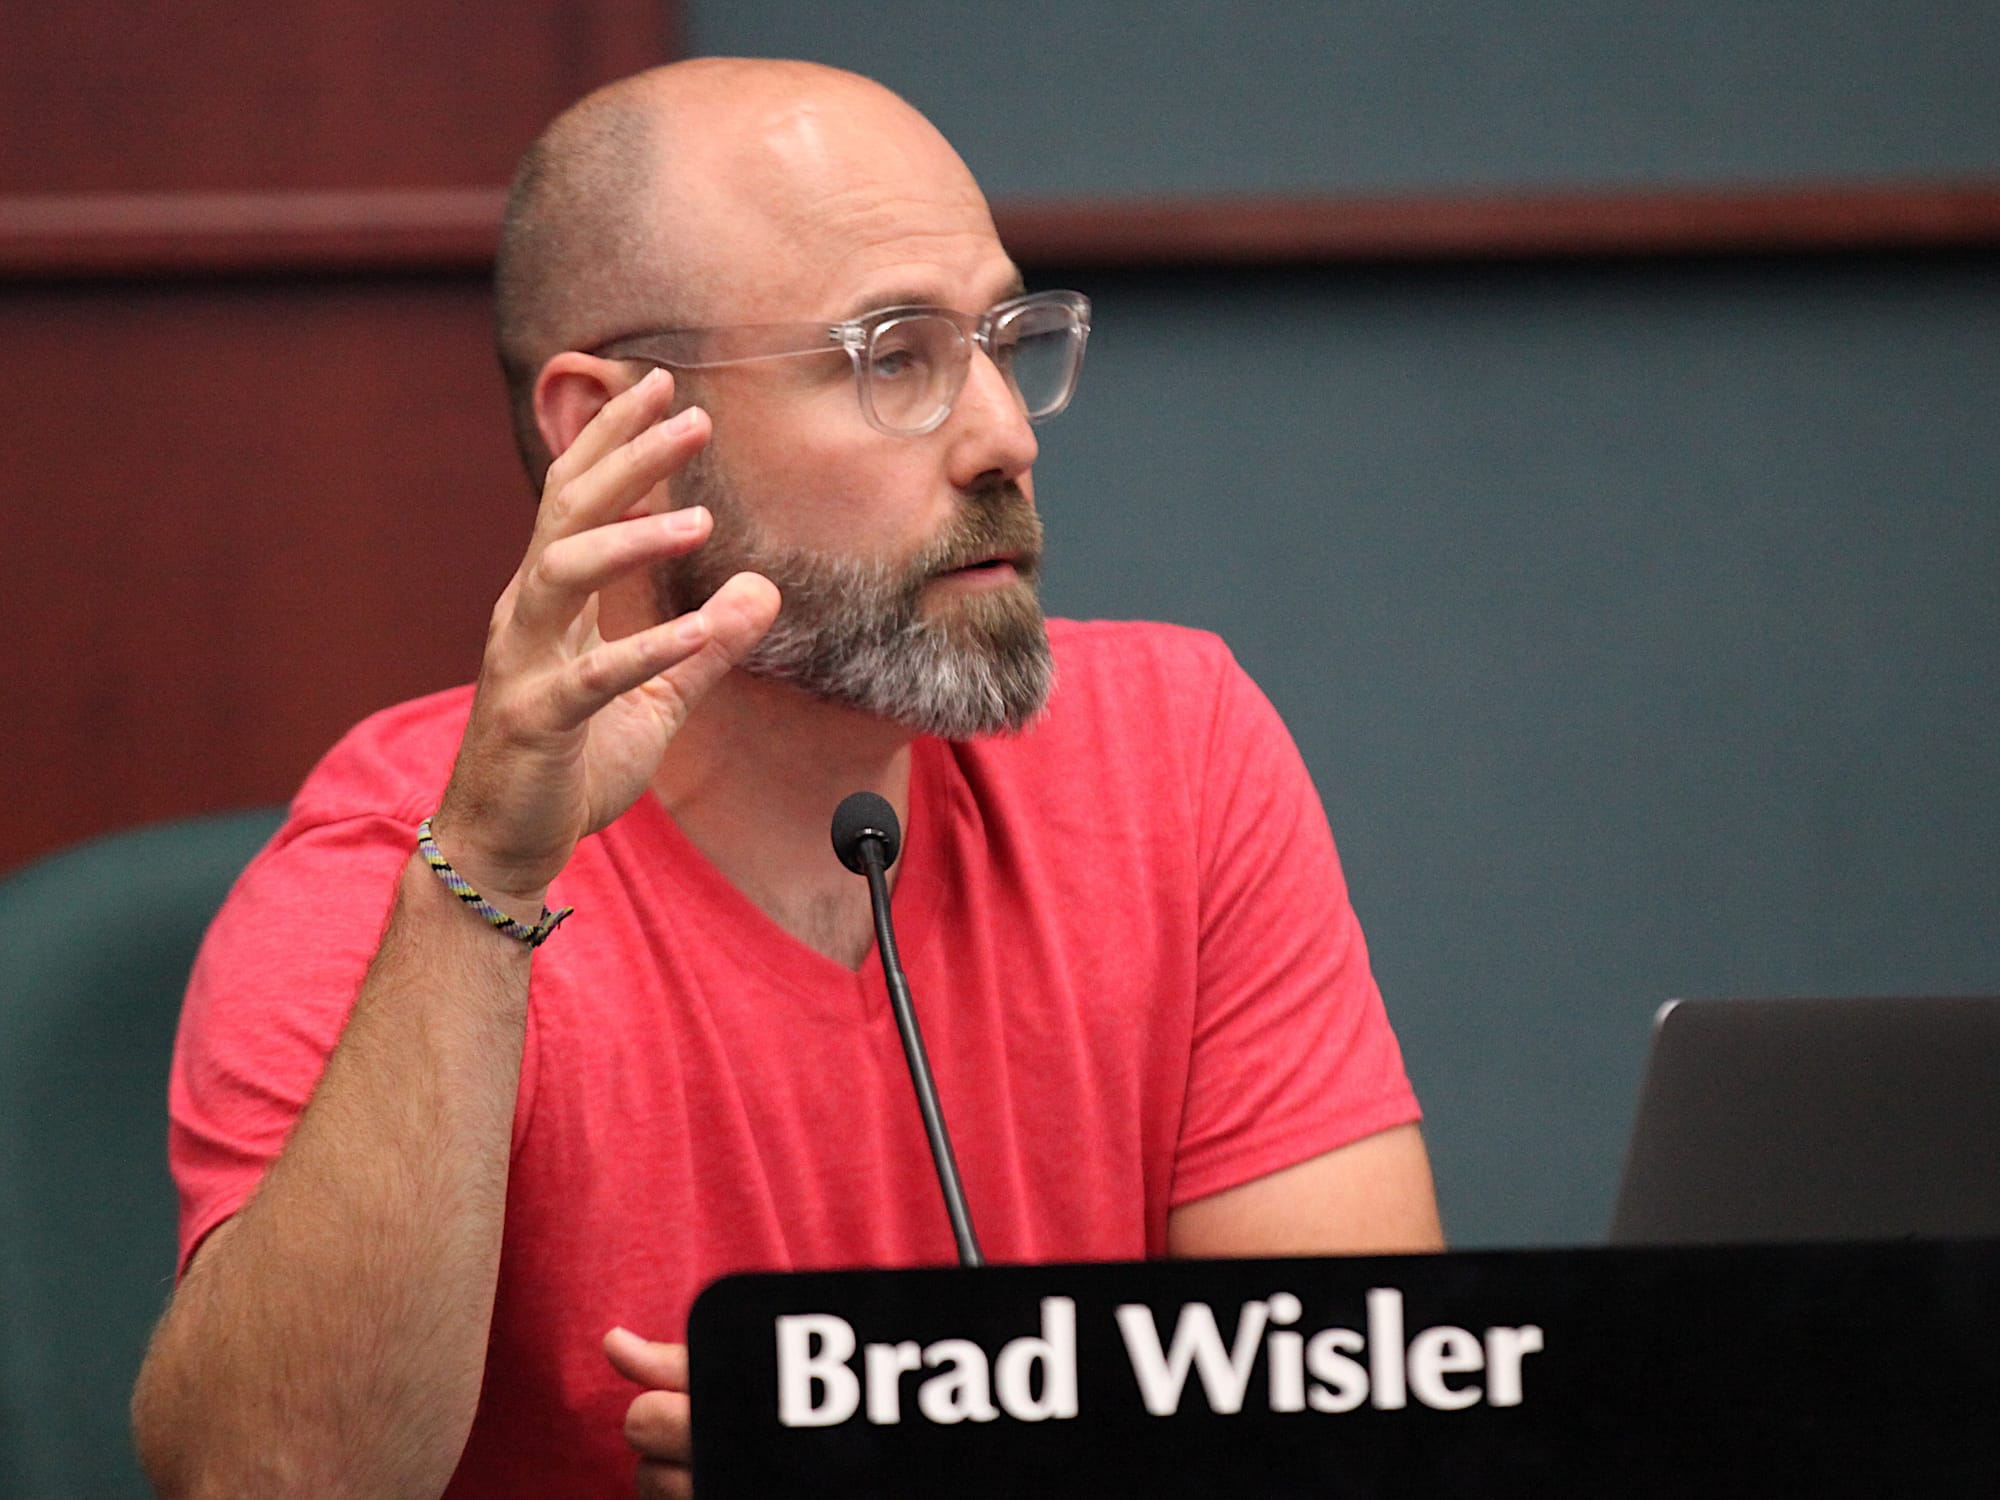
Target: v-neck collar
733	919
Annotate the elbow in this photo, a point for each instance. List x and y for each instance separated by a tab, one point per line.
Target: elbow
174	1428
182	1448
199	1438
154	1428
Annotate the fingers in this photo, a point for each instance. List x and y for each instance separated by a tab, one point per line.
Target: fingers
681	658
734	619
579	505
656	1423
656	1427
665	1482
616	423
619	481
567	571
740	612
624	451
661	1367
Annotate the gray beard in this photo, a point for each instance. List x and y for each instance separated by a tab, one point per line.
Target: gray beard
852	631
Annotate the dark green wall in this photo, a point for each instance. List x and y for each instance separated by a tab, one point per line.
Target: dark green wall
1118	96
1638	622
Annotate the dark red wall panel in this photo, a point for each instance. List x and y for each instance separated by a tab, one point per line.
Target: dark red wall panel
221	94
258	479
238	516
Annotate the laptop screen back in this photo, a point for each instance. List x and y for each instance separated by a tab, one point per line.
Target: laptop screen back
1785	1120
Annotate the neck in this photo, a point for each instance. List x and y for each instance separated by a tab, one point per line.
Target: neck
753	778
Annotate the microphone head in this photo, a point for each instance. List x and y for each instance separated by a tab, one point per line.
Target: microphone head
860	817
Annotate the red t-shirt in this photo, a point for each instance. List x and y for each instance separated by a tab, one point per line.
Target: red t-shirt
1127	933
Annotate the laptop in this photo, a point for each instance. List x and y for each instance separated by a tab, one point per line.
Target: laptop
1794	1120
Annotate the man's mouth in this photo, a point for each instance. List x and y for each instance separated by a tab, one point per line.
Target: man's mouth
998	567
989	545
987	564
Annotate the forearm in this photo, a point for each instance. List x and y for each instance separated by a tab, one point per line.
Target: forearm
331	1339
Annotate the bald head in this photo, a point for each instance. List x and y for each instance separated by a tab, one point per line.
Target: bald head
634	208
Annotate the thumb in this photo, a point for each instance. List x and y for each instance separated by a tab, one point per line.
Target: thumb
660	1367
738	614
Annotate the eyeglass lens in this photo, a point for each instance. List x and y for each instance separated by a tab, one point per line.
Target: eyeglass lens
916	365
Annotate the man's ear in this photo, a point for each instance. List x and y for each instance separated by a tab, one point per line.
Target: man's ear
571	389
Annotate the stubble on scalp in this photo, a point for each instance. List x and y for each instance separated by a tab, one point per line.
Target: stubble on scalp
614	209
854	630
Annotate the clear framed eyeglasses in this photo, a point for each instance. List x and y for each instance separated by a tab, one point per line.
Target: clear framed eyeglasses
910	363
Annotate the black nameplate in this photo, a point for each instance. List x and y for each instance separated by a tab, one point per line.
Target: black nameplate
1834	1370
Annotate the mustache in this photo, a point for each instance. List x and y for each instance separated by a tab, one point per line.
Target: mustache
995	522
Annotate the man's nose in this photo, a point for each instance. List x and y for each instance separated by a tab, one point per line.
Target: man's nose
989	432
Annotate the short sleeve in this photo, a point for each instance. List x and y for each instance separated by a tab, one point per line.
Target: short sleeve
269	995
1292	1052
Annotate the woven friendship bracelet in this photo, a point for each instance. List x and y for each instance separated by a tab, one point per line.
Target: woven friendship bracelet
460	887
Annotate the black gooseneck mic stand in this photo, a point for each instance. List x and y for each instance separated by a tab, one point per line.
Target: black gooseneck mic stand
867	839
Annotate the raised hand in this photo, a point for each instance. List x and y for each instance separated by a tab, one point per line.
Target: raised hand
567	727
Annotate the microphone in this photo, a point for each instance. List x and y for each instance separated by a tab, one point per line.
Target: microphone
867	840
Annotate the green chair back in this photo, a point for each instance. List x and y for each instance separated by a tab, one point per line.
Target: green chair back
95	947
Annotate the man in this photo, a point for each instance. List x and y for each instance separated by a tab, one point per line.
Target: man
425	1198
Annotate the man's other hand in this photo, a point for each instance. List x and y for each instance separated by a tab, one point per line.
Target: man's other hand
656	1423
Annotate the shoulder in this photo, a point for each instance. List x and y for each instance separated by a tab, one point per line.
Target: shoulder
1165	693
351	825
392	764
1138	674
305	916
1127	742
1093	649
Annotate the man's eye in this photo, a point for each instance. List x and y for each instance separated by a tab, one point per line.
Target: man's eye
894	364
